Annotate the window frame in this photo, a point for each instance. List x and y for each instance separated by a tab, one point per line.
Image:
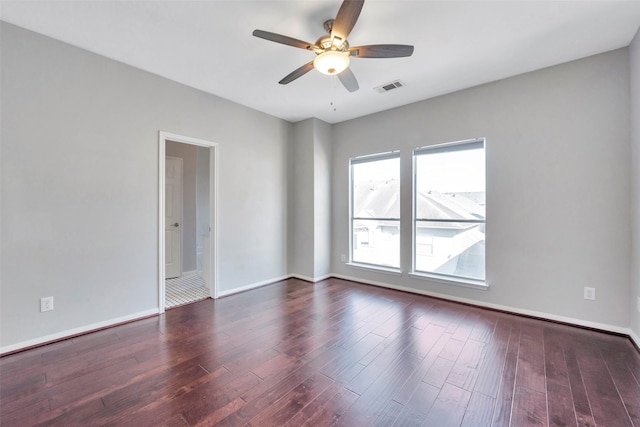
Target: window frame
440	277
360	264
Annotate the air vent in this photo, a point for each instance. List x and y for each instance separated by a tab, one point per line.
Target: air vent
389	86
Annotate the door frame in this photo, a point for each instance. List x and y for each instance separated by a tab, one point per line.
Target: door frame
212	280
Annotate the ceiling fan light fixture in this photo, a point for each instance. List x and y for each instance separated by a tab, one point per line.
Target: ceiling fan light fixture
331	62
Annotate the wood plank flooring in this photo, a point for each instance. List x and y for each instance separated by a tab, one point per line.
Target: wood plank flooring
334	353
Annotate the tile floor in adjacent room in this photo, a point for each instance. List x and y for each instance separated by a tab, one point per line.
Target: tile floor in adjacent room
187	288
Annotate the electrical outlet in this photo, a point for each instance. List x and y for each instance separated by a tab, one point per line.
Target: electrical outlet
46	304
590	293
343	257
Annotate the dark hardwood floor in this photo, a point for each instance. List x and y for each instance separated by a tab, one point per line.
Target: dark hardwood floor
333	353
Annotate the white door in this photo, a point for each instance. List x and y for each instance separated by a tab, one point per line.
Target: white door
173	217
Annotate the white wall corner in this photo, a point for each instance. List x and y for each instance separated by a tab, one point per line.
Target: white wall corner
310	279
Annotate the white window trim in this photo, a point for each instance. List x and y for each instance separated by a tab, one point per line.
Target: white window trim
451	280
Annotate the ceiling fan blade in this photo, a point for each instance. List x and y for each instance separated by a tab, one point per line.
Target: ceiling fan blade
348	80
298	72
346	18
279	38
382	51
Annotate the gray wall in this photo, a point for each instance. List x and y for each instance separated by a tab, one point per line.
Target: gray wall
79	188
310	199
80	185
634	53
322	198
558	185
189	155
301	201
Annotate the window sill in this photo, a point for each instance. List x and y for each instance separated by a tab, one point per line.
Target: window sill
467	283
377	268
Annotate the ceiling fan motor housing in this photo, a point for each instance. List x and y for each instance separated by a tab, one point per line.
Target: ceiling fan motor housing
333	52
328	25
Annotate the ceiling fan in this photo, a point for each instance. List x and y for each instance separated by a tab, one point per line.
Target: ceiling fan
333	50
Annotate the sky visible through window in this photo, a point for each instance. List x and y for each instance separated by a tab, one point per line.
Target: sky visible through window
381	170
449	172
452	172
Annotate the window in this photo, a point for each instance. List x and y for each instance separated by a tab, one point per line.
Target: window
375	210
449	210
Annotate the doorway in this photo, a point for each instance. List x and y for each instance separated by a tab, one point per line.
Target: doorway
187	243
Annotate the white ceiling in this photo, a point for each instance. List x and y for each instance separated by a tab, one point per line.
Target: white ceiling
208	44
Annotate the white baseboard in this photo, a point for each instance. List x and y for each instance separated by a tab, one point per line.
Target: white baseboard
541	315
76	331
270	281
310	279
112	322
253	286
635	338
